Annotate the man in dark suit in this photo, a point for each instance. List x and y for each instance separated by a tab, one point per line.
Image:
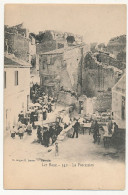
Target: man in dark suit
76	128
96	131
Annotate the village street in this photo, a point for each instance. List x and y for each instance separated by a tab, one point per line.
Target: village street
73	150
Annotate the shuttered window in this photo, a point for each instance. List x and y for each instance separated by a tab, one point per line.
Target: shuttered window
16	78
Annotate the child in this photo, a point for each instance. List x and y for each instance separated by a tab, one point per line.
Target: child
29	128
13	132
56	149
21	132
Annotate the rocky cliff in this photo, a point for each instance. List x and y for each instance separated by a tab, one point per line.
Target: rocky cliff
117	46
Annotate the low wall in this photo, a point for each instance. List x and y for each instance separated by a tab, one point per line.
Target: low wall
103	102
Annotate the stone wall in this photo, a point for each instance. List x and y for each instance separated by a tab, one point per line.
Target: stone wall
18	45
46	46
62	66
66	98
106	59
98	77
102	102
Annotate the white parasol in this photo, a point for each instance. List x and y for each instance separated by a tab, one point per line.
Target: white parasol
37	105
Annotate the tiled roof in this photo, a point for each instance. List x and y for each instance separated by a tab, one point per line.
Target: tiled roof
62	50
11	60
120	86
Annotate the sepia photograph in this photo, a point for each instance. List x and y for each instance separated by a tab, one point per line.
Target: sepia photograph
65	96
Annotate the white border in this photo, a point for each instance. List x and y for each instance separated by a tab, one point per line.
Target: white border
2	2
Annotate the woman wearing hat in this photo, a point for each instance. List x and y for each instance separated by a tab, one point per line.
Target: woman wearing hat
46	136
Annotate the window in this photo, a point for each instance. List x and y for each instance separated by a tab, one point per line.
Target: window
48	60
45	78
16	78
43	66
5	79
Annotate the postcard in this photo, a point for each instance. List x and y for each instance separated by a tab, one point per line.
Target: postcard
64	96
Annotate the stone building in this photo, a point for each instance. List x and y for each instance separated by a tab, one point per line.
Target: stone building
16	89
61	69
18	42
100	76
119	102
18	45
50	40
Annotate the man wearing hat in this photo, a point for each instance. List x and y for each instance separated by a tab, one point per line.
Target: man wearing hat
44	113
76	128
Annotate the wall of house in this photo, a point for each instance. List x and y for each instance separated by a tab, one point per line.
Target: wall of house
15	97
50	68
117	109
72	60
32	48
119	102
63	67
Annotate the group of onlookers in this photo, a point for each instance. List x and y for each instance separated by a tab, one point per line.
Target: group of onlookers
35	92
26	122
112	129
47	134
20	129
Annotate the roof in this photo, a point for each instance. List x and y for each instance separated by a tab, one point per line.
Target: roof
11	61
62	50
56	51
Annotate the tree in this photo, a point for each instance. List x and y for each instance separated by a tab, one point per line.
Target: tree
46	36
121	56
70	39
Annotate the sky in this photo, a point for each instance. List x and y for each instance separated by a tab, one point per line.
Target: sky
96	23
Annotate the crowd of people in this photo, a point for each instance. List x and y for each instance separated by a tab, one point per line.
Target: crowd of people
41	105
112	129
96	128
20	129
47	133
35	92
38	110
